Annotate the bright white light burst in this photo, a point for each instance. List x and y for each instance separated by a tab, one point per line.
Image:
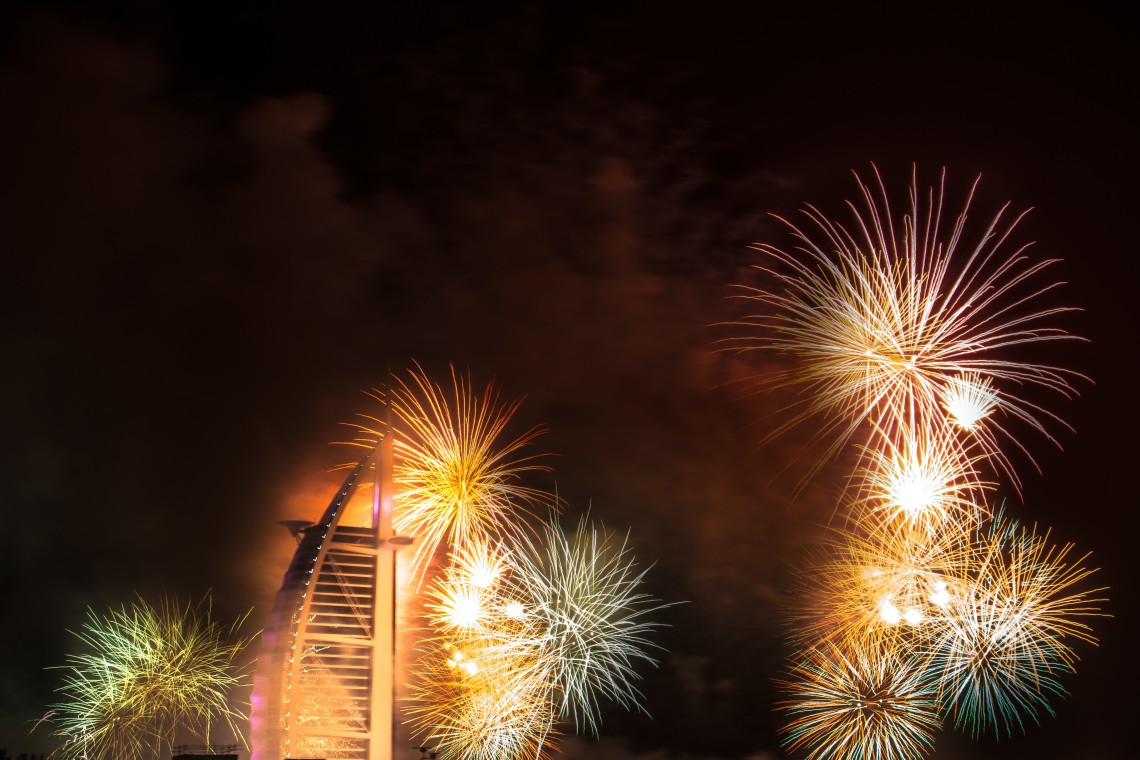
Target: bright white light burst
969	399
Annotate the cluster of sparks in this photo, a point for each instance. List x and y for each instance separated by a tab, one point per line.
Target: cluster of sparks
528	627
929	605
147	672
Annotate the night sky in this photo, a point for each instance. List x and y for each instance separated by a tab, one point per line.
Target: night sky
222	220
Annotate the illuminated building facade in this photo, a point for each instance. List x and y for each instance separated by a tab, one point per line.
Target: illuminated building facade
324	684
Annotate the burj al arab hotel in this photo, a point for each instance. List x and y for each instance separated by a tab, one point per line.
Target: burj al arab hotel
324	683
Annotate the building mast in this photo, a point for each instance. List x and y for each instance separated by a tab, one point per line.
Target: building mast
384	649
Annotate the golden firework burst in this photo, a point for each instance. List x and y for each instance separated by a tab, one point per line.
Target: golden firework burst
459	476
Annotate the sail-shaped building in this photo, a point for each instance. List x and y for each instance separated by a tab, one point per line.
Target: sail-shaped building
324	682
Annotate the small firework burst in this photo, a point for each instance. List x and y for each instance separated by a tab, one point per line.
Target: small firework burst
969	399
467	596
920	479
146	672
862	702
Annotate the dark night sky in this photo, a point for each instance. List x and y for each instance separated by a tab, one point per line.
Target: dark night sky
220	220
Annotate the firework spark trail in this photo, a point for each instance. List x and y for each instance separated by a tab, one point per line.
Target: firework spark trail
888	321
148	672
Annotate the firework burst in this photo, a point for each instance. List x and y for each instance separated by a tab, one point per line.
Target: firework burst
484	687
919	479
458	477
866	702
147	672
468	596
583	592
969	399
886	588
898	320
485	697
1000	652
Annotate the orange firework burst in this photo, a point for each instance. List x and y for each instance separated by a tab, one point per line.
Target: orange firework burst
886	588
456	481
483	700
